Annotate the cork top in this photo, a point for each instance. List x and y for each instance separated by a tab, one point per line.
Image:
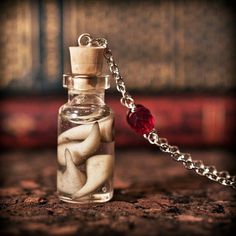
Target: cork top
86	59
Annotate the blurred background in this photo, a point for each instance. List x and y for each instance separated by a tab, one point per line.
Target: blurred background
177	58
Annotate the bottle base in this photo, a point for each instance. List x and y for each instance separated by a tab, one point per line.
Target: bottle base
93	198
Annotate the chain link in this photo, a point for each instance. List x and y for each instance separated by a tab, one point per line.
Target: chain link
222	177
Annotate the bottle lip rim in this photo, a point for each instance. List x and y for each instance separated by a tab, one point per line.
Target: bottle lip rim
90	47
86	82
84	76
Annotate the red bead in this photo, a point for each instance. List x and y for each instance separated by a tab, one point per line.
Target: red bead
141	120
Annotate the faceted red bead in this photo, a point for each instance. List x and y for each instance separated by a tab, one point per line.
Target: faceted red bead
141	120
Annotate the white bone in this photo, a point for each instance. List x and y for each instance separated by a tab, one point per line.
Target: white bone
80	150
82	131
77	133
98	168
72	179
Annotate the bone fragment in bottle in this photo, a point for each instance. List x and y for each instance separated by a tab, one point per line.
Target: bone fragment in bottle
80	150
72	179
99	169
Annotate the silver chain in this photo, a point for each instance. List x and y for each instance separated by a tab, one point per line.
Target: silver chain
222	177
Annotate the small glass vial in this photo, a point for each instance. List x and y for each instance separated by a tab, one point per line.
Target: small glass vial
85	141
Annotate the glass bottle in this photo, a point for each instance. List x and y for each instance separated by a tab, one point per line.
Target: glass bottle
85	141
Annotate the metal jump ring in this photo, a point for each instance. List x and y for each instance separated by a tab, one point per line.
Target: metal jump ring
86	38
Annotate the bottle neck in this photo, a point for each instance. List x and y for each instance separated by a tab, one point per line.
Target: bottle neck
86	96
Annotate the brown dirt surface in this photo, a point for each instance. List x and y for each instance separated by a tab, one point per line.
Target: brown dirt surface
153	196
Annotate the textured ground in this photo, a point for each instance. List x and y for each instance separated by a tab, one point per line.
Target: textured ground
153	196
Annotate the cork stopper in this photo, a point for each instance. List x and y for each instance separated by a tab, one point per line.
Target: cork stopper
86	59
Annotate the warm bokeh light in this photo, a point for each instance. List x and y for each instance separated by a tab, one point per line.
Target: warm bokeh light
176	58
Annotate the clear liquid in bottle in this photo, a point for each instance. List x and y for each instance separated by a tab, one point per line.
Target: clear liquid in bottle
85	153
